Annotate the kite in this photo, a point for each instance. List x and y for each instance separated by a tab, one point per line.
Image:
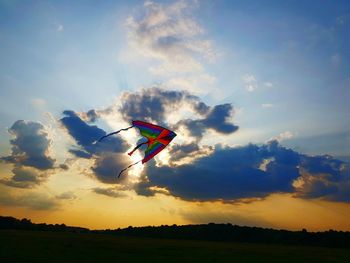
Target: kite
157	139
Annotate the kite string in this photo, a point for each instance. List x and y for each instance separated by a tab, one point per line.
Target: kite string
125	129
138	146
128	168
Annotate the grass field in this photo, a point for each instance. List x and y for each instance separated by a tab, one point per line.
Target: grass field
36	246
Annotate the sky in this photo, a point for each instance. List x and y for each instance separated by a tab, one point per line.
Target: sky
257	93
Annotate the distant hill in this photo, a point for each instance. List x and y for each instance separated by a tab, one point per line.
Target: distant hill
8	222
211	231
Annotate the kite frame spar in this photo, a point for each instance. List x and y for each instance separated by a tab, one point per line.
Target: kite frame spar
157	137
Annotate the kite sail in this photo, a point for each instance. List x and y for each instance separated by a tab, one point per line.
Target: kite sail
157	139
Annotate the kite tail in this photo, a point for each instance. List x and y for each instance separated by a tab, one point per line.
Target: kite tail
127	168
138	146
125	129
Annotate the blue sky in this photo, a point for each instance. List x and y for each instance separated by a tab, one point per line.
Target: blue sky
265	71
50	49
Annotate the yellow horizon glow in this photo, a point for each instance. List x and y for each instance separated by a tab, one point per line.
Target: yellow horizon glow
280	211
96	211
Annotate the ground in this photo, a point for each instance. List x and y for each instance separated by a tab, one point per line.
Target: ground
37	246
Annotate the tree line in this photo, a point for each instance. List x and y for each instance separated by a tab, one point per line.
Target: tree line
8	222
209	232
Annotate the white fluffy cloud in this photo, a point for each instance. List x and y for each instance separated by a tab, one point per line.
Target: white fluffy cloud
284	136
267	105
171	38
250	82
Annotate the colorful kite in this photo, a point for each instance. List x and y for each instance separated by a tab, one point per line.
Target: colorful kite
157	139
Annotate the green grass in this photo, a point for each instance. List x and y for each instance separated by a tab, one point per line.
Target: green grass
36	246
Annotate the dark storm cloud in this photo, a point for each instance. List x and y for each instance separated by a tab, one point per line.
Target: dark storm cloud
235	173
108	155
108	166
322	164
86	136
153	104
216	173
179	152
30	145
29	154
149	105
143	187
217	119
229	173
325	177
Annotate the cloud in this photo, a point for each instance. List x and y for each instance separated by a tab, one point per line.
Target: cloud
60	28
187	153
217	119
36	201
92	115
340	20
143	187
196	84
268	84
108	156
155	104
171	36
283	136
107	167
29	155
324	177
199	172
86	136
111	192
69	195
230	174
250	82
25	177
267	105
80	153
180	151
227	174
38	103
30	146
